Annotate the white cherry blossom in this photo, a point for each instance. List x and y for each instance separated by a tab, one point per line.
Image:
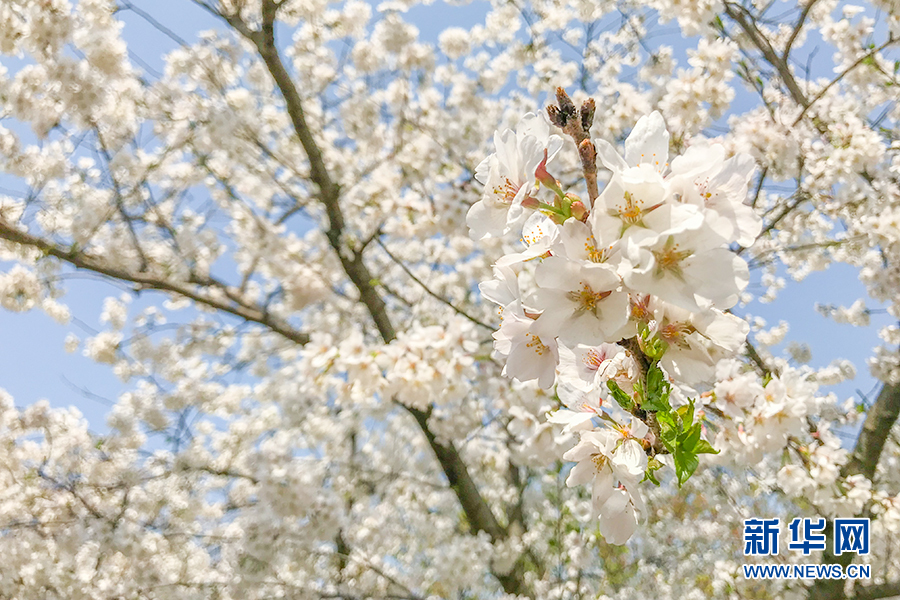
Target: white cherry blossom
539	234
703	177
688	268
528	356
508	175
647	144
580	302
696	341
584	371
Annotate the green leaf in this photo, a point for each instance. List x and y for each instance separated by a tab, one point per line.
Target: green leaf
686	413
685	465
657	404
639	393
704	447
653	347
667	430
667	420
643	329
690	438
621	397
653	465
657	396
654	378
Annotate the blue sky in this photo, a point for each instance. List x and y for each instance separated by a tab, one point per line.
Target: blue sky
35	366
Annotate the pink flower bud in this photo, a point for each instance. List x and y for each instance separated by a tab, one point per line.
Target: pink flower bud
531	203
546	179
579	211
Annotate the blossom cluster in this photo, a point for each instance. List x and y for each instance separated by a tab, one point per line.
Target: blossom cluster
309	407
630	292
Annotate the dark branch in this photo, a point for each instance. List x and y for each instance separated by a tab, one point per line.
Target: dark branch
875	592
477	511
188	290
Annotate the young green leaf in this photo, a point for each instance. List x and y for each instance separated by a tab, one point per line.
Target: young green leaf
690	438
704	447
653	465
685	465
620	396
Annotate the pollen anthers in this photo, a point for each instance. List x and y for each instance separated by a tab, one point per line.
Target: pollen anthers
669	258
675	333
587	298
631	212
531	237
507	192
536	344
703	189
655	162
594	358
640	308
595	254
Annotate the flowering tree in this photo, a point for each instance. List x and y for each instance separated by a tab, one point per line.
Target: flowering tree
302	205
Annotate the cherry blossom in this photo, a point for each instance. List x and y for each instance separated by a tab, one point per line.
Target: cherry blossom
508	175
371	297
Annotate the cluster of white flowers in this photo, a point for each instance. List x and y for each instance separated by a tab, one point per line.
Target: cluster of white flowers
20	289
643	273
310	406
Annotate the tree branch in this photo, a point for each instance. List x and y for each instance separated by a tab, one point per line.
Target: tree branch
746	21
329	190
801	20
864	460
879	421
861	60
476	509
428	290
81	260
875	592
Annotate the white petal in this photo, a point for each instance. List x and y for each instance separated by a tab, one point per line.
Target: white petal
581	473
485	221
699	159
648	142
618	527
558	273
638	428
608	156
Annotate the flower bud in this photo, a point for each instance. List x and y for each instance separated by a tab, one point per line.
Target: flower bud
579	211
546	179
587	114
531	203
